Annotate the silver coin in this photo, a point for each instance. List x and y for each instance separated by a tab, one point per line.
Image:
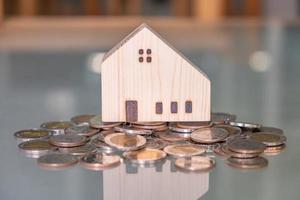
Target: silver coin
57	127
155	143
269	129
209	135
245	146
57	161
245	125
222	118
32	134
174	127
67	140
102	146
80	150
130	130
82	130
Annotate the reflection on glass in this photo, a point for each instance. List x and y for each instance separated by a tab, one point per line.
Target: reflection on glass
159	181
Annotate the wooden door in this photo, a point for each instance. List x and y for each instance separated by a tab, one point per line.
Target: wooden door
131	111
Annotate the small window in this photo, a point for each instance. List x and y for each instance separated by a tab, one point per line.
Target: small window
159	108
174	107
188	107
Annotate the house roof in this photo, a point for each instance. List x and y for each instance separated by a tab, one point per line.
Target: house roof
137	30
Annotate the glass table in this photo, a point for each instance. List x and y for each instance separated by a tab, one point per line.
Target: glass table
255	76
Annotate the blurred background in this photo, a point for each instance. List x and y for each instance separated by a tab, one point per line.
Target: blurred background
50	52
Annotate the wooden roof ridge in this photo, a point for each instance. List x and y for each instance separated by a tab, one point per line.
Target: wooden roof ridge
137	30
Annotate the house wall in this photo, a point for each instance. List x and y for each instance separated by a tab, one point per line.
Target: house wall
167	78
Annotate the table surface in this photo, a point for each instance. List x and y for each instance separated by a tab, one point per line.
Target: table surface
255	76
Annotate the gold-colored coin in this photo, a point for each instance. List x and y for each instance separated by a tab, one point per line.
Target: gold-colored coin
150	123
195	163
125	142
99	161
171	136
145	156
209	135
36	146
83	130
194	125
82	119
269	139
174	127
275	150
32	134
150	127
57	127
245	146
247	163
183	150
155	143
96	122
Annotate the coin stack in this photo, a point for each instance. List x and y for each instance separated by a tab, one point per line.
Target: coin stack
98	145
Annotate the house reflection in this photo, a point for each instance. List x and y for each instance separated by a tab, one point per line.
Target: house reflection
160	181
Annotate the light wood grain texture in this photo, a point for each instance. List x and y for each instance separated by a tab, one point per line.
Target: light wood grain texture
169	77
152	184
208	10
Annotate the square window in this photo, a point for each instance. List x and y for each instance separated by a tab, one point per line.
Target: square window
174	107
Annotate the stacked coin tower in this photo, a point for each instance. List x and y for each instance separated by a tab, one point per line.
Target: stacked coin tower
98	145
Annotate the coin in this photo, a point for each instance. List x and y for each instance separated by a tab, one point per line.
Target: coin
183	150
35	148
232	130
82	130
57	127
32	134
269	129
225	152
67	140
103	146
194	125
267	138
245	146
103	134
209	135
170	136
196	163
99	161
125	142
56	161
247	163
149	123
145	156
155	143
149	127
96	122
130	130
174	127
245	125
222	118
275	150
80	150
82	119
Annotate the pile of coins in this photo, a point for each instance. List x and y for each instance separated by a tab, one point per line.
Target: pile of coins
98	145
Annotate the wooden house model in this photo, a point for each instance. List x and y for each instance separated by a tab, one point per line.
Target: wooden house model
145	79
